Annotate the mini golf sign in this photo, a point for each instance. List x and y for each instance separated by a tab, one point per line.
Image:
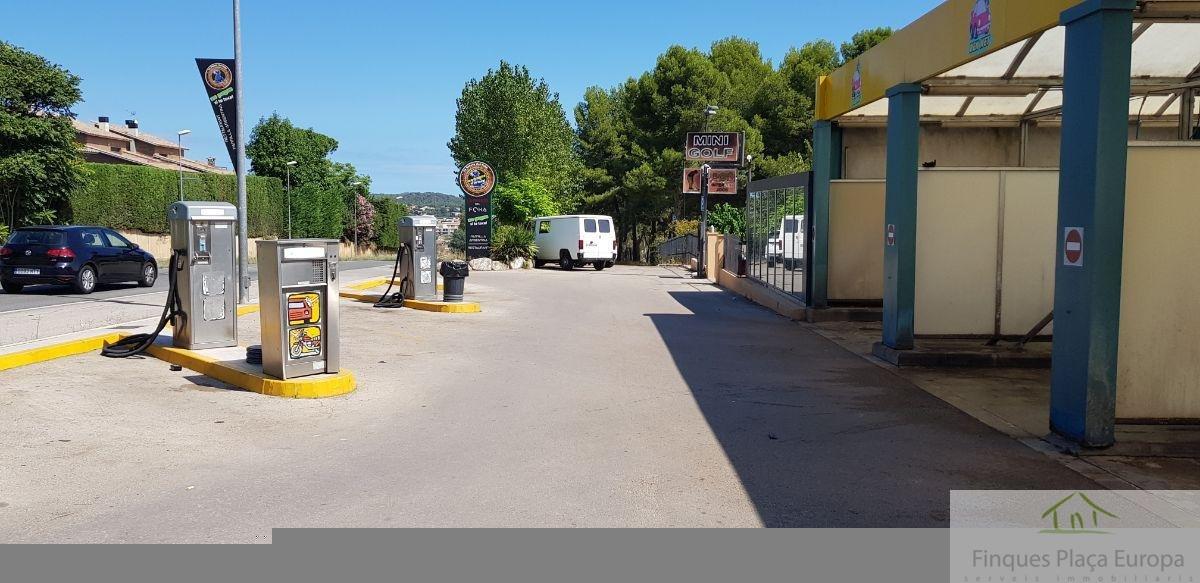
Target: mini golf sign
714	147
1073	246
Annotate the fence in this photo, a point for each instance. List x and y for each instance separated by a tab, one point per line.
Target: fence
678	250
777	233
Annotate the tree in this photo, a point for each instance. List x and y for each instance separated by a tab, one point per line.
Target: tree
517	202
39	161
515	123
862	41
274	142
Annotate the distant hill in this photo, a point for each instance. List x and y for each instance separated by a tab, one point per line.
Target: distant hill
439	204
429	199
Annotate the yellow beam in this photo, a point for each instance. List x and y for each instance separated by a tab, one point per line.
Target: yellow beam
935	43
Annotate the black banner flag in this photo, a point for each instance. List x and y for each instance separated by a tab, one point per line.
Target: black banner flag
218	81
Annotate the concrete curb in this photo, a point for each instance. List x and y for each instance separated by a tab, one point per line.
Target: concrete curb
55	351
314	387
442	307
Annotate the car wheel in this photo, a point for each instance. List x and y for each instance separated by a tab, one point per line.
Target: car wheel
149	275
538	263
565	262
85	280
12	287
599	265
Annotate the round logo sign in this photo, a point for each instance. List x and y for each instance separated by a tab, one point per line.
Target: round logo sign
476	179
218	76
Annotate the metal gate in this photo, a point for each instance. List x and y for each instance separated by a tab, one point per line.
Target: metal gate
778	233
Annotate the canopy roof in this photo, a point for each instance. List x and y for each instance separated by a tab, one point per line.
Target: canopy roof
1024	79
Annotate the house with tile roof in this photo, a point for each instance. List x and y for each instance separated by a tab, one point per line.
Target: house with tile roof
106	143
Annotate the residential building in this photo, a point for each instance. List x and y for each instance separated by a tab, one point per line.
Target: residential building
106	143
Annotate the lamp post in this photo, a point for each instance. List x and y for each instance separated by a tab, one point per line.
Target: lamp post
179	140
354	214
288	168
239	165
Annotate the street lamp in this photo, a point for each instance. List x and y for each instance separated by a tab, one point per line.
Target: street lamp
179	140
354	215
288	167
708	113
702	241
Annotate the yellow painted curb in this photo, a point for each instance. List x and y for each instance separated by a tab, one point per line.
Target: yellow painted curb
314	387
44	353
443	307
375	282
244	309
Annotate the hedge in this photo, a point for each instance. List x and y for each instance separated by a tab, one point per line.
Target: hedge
132	197
387	214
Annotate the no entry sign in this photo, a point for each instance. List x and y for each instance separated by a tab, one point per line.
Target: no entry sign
1073	246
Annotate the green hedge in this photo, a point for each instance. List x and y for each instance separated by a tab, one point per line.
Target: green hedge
137	197
387	213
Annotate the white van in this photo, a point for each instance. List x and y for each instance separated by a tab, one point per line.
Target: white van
789	243
575	240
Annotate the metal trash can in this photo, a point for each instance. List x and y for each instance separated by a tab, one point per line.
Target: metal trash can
454	278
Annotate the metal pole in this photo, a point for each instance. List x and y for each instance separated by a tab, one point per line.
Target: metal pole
240	163
288	169
702	244
179	141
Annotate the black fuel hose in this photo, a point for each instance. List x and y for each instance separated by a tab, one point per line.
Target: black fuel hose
396	300
138	343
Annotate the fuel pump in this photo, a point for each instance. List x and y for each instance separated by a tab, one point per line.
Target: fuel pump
298	292
200	303
416	262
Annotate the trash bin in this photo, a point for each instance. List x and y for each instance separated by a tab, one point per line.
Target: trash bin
454	277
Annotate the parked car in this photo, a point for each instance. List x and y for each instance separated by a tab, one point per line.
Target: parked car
575	240
82	257
774	249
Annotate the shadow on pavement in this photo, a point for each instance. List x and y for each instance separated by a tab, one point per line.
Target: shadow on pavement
822	438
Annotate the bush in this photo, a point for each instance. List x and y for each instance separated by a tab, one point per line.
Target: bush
684	227
458	239
137	197
3	234
511	242
728	219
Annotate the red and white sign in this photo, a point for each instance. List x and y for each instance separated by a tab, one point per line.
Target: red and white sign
891	235
1073	246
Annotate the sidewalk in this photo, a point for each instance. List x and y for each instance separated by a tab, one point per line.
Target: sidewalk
1016	402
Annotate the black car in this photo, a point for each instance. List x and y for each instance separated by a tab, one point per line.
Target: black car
80	256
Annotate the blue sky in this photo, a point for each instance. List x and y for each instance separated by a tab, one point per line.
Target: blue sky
382	76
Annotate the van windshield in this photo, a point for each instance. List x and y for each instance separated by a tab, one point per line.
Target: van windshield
37	237
605	227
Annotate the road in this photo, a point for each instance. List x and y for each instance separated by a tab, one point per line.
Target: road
44	296
627	397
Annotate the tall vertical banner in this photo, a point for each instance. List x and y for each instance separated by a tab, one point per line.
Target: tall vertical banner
218	81
476	180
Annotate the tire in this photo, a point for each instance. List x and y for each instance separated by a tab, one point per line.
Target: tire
598	266
565	262
12	287
149	275
538	263
85	280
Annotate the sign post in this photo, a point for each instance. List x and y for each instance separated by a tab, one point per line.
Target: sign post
476	180
721	153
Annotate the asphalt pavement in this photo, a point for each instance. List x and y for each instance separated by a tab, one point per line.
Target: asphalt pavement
634	396
44	296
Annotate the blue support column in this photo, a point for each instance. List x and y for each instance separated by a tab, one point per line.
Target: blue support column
1091	210
900	215
827	166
